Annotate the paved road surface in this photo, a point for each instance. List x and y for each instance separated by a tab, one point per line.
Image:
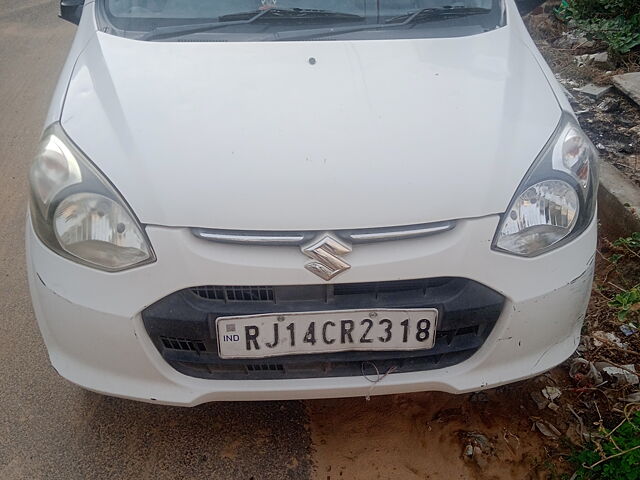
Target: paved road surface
50	428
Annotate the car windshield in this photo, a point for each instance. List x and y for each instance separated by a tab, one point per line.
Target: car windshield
254	20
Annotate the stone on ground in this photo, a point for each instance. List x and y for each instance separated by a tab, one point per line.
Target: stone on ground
629	83
593	91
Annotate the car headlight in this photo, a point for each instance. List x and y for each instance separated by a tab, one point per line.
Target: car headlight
556	201
77	213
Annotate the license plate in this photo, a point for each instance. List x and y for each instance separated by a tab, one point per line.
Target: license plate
272	335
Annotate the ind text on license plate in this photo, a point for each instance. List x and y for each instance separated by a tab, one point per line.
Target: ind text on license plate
270	335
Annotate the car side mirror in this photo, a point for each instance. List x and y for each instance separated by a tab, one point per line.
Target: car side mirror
71	10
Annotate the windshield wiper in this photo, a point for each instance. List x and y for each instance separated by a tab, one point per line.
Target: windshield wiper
244	18
409	18
427	14
290	13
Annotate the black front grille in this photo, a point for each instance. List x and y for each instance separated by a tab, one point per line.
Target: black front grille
183	344
182	326
265	367
377	289
235	294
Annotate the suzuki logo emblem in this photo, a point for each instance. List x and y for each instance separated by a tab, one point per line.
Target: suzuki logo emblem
327	254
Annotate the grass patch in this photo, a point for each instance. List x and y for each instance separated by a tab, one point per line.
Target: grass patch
614	22
614	456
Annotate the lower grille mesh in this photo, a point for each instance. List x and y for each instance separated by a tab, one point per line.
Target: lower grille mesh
183	344
235	294
274	367
182	326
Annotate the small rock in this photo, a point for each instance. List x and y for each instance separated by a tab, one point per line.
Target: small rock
597	59
566	81
551	393
468	451
601	60
582	60
554	406
594	91
539	399
574	39
480	441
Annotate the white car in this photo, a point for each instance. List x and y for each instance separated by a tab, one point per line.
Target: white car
260	199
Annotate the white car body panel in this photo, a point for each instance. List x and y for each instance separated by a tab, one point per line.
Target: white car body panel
102	344
251	136
452	115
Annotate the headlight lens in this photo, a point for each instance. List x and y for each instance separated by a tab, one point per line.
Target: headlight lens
100	231
78	214
557	199
541	216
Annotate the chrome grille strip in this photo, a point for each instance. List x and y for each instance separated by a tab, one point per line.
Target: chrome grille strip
251	238
396	233
364	235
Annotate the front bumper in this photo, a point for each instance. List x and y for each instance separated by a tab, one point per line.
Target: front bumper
91	321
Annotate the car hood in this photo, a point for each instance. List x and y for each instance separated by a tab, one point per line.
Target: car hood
311	135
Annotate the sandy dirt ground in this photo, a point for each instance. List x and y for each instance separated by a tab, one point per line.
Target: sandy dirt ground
427	436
